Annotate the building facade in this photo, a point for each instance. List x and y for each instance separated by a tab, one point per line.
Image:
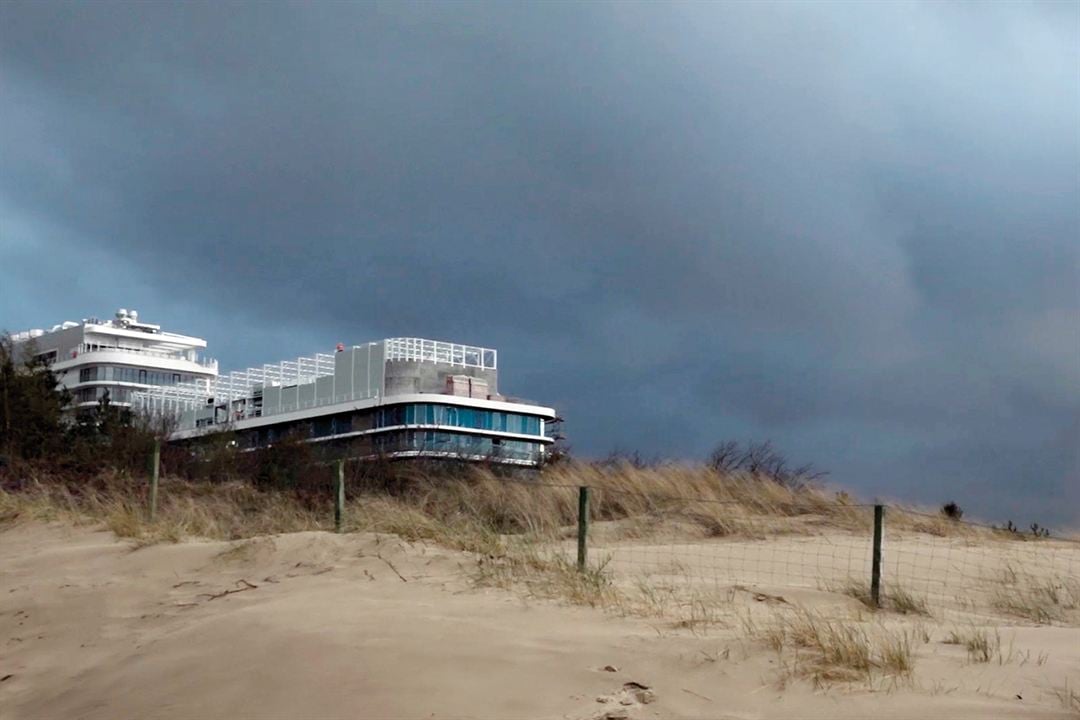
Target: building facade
394	398
118	356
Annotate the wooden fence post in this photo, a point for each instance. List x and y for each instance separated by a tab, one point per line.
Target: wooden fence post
582	526
875	571
155	466
339	497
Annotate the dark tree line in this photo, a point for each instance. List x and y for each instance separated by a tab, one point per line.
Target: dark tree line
34	427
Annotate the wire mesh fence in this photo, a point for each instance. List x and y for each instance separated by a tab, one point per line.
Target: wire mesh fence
977	569
750	535
928	563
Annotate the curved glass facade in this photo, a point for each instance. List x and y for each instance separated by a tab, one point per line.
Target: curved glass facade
438	443
466	417
123	373
386	430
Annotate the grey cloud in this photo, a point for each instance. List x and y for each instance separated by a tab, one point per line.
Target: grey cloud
853	229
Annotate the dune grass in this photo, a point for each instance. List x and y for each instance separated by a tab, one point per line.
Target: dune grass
981	644
439	502
827	650
420	504
895	598
513	524
1038	599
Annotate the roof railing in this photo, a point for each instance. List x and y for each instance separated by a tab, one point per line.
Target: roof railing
422	350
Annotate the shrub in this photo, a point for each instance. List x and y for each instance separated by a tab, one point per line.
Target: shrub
761	460
952	511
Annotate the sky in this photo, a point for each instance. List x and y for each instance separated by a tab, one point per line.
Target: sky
852	229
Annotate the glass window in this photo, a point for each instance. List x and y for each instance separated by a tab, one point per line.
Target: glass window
431	414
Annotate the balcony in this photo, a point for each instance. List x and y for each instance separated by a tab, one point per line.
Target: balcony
179	356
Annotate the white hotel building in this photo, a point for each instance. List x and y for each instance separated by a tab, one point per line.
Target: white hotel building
117	356
393	398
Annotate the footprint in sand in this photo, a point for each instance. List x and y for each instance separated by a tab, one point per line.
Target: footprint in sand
617	705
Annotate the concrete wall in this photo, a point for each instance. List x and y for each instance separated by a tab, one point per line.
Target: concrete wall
413	376
62	341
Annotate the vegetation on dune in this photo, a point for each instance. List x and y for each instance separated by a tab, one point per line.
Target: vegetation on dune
828	650
895	598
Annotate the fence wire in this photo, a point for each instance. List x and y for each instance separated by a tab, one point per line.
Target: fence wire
764	553
976	569
930	564
651	542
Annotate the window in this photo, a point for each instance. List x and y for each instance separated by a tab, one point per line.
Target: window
46	358
431	414
142	376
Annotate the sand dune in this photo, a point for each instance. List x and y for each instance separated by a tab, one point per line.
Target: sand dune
365	626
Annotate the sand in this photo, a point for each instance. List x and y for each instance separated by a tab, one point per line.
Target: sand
361	626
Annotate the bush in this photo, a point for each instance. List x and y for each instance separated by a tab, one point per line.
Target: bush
760	459
952	511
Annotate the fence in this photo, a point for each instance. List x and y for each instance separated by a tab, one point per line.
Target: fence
777	544
887	557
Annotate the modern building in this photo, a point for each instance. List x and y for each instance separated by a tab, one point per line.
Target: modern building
117	356
394	398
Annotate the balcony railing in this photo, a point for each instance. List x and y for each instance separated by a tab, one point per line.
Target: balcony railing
87	348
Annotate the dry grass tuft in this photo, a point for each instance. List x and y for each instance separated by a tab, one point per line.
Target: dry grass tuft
831	650
894	598
984	646
553	577
981	645
1038	599
1069	697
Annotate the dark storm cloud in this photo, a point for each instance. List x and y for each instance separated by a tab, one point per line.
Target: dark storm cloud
853	229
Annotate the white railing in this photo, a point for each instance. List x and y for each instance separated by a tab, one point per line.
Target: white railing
87	348
422	350
239	384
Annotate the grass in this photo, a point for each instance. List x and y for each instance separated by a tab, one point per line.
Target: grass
895	598
429	503
551	576
980	644
905	603
513	525
984	646
517	530
1069	697
827	650
1039	599
464	509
